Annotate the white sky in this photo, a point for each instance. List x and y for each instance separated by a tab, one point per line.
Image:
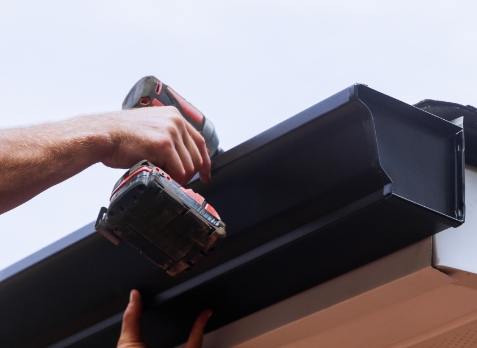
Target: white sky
246	65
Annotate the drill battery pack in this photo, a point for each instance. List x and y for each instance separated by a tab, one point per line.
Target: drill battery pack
172	226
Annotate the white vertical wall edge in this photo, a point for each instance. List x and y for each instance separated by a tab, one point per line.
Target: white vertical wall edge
457	247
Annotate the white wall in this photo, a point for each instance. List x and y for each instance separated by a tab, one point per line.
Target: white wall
457	247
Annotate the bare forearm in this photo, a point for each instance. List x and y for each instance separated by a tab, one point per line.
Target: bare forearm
35	158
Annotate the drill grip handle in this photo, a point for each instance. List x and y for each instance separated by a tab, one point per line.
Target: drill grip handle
149	91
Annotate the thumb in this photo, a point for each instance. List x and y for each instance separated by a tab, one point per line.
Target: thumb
131	328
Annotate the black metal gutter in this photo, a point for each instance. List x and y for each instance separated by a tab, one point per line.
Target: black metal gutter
451	111
347	181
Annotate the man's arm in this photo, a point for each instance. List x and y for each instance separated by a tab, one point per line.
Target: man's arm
35	158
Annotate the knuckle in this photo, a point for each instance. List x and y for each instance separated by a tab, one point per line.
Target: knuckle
127	316
165	144
201	141
172	130
181	175
199	163
188	168
176	117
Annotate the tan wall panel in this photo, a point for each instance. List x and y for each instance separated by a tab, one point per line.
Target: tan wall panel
400	321
461	333
339	290
383	316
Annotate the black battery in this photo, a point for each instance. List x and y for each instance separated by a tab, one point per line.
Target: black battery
172	226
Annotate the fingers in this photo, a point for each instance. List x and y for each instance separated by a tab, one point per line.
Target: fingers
164	137
192	151
190	157
131	328
205	165
172	162
197	332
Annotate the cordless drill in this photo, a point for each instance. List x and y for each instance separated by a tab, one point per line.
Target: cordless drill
172	226
149	91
